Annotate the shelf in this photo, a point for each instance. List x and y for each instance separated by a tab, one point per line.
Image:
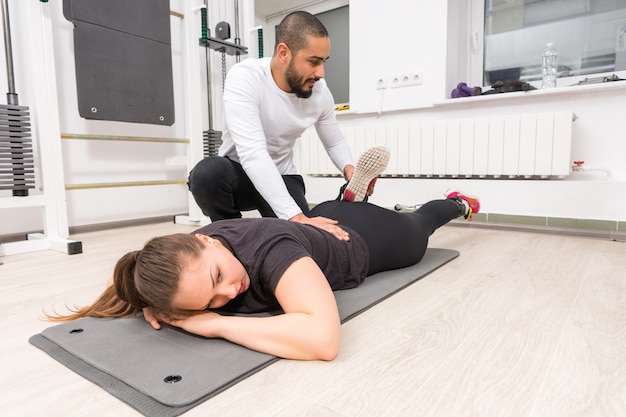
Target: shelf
20	202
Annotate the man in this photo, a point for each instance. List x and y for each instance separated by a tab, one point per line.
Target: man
268	104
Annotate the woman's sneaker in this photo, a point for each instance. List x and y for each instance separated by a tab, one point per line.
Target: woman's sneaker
472	205
370	165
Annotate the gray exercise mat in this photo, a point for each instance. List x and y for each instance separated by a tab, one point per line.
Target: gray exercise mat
167	372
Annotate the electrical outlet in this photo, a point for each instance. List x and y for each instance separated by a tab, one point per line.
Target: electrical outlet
415	78
406	80
381	83
396	81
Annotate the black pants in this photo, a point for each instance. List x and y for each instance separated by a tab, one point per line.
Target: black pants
395	240
222	190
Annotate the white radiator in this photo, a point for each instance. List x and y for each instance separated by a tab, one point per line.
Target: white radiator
534	145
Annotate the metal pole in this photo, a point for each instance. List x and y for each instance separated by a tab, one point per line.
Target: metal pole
8	50
237	40
208	72
18	154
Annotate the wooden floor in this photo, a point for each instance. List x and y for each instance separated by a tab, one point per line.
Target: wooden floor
521	324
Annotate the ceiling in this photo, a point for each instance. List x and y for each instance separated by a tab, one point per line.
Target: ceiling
266	8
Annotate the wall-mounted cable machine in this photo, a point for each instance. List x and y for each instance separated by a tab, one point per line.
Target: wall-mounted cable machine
48	193
204	143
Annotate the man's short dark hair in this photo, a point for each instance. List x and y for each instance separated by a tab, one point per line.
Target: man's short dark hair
296	28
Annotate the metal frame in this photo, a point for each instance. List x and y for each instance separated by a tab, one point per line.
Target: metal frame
193	104
37	31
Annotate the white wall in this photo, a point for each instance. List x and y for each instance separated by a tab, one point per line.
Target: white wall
411	36
598	139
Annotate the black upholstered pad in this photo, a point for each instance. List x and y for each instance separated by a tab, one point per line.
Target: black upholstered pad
123	60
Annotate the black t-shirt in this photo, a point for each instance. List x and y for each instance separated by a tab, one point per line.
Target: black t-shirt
267	247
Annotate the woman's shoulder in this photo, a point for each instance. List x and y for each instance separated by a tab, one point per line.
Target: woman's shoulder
257	228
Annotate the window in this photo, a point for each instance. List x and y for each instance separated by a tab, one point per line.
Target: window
337	68
590	36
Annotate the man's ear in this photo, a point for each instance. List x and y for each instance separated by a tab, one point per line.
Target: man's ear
283	52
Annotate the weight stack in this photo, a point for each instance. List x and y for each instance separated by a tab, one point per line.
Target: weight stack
17	172
212	140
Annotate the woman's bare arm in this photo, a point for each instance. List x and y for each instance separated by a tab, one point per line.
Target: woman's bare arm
309	329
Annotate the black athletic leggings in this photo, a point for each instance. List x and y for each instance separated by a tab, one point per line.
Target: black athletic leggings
395	240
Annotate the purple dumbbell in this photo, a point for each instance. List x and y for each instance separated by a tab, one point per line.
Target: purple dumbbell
463	90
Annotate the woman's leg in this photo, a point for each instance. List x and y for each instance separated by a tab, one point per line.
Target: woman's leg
395	240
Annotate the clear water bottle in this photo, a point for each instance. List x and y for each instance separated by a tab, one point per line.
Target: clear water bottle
549	66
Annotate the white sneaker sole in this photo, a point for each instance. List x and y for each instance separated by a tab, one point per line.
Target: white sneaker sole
370	165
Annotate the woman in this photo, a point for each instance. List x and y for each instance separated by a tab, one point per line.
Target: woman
197	281
266	264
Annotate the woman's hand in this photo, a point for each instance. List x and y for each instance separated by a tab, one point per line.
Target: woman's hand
201	323
151	317
198	322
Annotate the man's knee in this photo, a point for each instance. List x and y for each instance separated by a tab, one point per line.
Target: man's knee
209	172
209	167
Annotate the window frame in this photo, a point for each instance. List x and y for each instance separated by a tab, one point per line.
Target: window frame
476	46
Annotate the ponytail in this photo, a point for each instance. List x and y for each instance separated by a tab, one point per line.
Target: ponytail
124	280
145	278
117	300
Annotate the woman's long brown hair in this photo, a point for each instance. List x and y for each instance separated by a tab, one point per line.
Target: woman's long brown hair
145	278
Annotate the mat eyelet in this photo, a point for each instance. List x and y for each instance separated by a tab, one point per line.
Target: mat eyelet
172	379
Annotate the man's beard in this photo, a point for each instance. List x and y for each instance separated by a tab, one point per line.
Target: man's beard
296	82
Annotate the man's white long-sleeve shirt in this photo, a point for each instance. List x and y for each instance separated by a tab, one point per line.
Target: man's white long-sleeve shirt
261	126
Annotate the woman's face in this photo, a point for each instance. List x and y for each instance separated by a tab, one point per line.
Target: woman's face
212	279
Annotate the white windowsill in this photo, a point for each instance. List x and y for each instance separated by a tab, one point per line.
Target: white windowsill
558	91
568	90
